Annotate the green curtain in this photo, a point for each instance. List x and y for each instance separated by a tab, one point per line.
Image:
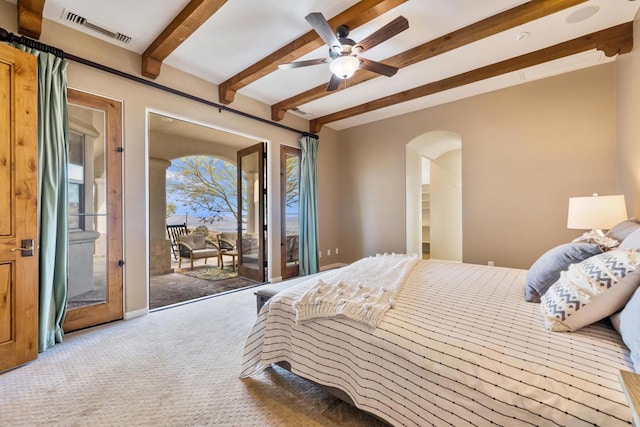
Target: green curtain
308	222
52	195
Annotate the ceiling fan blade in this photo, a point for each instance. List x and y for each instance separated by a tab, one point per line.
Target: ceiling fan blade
377	67
394	27
320	24
299	64
333	83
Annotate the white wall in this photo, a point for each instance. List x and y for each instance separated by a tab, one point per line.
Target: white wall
446	206
413	201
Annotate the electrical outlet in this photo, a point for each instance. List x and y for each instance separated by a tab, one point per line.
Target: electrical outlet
490	263
328	252
319	254
337	251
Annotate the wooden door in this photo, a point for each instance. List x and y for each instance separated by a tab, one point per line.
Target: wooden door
95	222
252	228
18	208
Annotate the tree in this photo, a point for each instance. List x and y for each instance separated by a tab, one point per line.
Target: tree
171	209
205	184
292	164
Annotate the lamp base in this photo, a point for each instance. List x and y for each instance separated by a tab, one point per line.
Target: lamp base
598	237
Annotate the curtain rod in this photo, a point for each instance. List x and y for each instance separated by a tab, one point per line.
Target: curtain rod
6	36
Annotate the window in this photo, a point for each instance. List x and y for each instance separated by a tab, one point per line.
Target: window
75	172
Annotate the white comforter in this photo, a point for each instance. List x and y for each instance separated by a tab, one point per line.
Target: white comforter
460	347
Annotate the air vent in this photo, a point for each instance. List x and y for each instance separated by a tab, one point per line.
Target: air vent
299	112
73	17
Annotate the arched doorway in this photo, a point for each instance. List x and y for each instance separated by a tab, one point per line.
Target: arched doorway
434	195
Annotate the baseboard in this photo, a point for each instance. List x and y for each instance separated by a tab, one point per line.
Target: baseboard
137	313
276	279
332	266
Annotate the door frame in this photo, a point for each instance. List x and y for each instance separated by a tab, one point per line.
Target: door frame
113	308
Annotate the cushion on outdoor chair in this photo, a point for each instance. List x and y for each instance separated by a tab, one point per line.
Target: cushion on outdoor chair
198	246
194	241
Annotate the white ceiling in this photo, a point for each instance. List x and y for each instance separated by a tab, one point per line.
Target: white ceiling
245	31
186	129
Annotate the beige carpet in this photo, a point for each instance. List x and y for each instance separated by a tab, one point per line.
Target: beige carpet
175	367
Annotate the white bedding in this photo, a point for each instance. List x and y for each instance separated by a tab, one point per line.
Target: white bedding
460	347
362	291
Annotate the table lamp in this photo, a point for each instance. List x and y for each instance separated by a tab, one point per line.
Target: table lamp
596	212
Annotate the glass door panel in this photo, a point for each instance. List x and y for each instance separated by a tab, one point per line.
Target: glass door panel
290	202
87	208
251	206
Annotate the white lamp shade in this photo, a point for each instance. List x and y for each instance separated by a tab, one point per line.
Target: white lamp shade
596	212
344	66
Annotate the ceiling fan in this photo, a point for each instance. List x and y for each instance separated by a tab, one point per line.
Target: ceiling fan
344	53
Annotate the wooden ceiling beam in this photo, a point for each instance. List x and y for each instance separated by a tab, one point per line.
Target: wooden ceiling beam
612	41
527	12
30	18
357	15
194	14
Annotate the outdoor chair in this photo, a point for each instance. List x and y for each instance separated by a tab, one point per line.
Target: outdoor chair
195	246
227	247
227	241
174	231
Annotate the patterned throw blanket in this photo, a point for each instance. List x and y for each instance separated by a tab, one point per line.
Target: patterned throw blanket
362	291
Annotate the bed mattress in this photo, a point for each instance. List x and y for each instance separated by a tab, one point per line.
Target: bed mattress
460	347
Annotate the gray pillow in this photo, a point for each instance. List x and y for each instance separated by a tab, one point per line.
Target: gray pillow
622	230
627	322
632	241
546	270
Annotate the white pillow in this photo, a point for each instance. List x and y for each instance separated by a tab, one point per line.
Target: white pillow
590	290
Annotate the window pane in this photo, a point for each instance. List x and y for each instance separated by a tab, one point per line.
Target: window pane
76	173
250	211
291	208
76	148
75	167
75	206
87	199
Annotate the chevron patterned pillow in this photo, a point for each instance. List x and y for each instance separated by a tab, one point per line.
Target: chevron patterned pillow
590	290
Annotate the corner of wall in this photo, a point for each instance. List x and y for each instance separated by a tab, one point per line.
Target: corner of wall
627	124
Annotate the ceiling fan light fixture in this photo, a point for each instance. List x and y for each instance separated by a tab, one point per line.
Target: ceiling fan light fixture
344	66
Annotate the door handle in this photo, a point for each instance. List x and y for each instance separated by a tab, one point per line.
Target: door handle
26	248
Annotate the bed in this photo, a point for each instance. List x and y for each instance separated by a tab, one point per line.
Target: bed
459	347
